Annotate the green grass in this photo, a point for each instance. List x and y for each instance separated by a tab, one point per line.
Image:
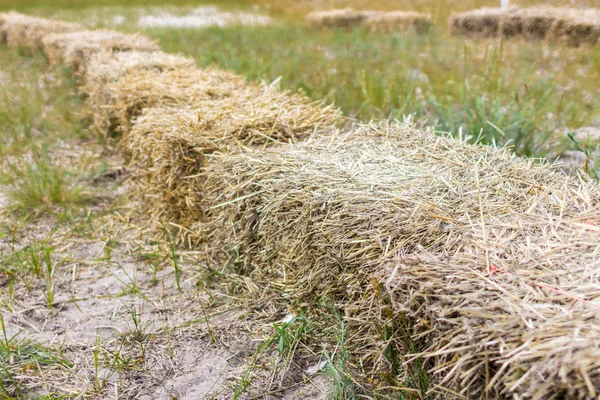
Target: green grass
39	114
20	358
41	186
497	92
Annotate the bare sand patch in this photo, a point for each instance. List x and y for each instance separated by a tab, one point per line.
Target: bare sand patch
202	17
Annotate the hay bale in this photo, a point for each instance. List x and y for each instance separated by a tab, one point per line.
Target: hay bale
74	49
116	104
488	261
573	27
18	30
484	22
403	21
169	146
343	18
109	67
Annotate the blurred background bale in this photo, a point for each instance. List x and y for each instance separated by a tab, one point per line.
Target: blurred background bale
117	103
569	26
375	20
343	18
403	21
75	48
18	30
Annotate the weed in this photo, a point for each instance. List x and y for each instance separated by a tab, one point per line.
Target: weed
49	276
590	150
138	333
41	186
287	334
20	358
343	387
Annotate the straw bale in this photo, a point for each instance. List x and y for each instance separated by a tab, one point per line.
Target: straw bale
109	67
483	22
343	18
169	146
488	263
570	26
124	99
18	30
74	49
399	20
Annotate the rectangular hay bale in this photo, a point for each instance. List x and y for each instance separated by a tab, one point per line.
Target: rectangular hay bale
19	30
343	18
75	48
573	27
119	102
490	261
169	146
109	67
403	21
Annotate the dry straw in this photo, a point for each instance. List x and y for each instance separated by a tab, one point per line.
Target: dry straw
125	98
169	146
464	260
343	18
570	26
109	67
74	49
18	30
374	20
399	21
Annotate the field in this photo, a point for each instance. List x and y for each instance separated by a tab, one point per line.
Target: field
95	305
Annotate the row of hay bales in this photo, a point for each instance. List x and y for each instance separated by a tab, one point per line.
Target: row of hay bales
571	26
485	263
126	76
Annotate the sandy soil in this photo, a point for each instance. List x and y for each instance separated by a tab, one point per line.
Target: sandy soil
118	315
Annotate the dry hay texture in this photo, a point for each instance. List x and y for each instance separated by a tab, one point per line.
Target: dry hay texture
119	102
75	48
490	261
169	147
374	20
573	27
399	20
18	30
107	68
336	18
